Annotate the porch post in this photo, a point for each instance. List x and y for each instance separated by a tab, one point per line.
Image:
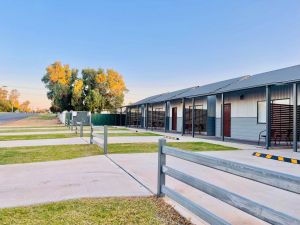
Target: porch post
129	118
126	117
137	116
183	117
295	102
268	117
146	116
166	115
142	116
193	117
120	116
151	116
222	117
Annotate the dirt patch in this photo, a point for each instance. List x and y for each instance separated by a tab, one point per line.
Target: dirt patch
34	121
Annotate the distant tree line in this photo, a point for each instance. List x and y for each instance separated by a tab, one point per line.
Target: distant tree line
9	101
96	90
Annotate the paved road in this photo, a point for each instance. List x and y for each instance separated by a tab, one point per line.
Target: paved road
9	117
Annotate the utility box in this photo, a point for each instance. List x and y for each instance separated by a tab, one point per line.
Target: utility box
82	117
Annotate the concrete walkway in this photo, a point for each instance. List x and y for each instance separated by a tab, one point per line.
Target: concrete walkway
96	176
187	138
144	167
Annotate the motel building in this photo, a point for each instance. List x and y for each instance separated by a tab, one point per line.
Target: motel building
261	108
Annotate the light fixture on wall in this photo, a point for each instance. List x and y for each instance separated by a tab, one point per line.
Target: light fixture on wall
242	97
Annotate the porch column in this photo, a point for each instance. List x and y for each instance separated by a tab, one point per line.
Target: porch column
183	117
126	117
222	117
121	116
166	115
193	117
295	102
146	116
268	117
137	117
129	118
151	116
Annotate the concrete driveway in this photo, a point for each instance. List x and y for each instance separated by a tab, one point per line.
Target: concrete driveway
144	168
96	176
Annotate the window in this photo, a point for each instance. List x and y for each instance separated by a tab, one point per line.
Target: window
261	112
281	101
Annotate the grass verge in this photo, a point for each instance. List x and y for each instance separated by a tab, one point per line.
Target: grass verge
32	130
46	153
37	136
30	127
115	211
133	134
46	116
152	147
68	135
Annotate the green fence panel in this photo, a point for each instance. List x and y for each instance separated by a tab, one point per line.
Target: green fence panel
68	118
108	119
83	117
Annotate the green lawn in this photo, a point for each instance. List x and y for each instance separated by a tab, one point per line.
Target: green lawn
132	134
46	116
85	128
30	127
36	136
46	153
114	211
117	128
68	135
31	130
61	152
152	147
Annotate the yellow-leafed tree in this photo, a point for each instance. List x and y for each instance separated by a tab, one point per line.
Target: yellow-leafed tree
24	107
59	73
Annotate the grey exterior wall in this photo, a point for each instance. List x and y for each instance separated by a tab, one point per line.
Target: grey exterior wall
244	124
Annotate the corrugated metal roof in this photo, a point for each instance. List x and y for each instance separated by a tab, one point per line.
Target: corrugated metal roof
207	89
161	97
285	75
147	100
170	95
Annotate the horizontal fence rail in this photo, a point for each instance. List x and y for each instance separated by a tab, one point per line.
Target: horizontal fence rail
280	180
193	207
253	208
102	136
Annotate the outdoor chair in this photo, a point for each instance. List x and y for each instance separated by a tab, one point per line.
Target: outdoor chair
287	136
276	136
262	135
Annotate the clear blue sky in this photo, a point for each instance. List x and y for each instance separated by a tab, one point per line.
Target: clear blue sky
157	45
